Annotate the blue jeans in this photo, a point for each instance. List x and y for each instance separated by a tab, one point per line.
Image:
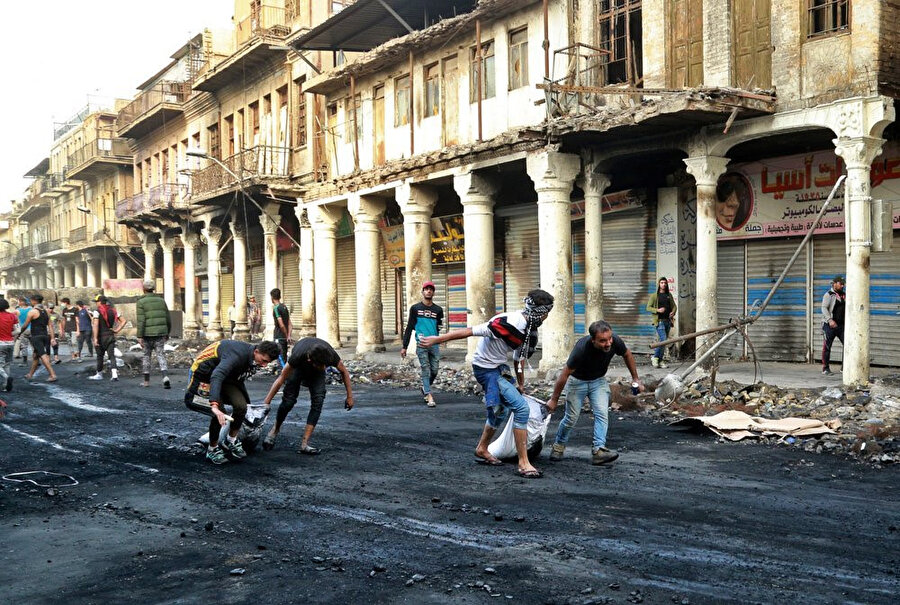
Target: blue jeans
501	396
597	392
662	332
429	358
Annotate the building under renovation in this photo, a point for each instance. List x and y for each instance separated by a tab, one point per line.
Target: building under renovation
353	150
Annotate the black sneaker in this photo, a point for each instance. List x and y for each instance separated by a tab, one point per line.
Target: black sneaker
166	383
8	384
827	372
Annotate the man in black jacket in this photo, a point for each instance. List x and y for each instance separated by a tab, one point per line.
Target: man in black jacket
219	372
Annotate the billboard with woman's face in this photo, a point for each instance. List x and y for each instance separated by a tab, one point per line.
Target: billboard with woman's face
734	201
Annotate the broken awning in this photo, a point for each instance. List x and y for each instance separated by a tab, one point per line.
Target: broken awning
367	24
735	425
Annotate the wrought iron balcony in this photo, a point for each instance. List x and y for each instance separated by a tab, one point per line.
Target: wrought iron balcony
96	157
263	161
78	235
264	20
153	108
168	196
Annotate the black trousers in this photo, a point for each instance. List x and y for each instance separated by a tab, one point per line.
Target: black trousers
315	382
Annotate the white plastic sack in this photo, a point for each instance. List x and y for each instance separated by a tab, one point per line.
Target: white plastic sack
504	446
251	430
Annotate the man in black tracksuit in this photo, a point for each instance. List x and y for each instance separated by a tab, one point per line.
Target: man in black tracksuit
832	320
219	372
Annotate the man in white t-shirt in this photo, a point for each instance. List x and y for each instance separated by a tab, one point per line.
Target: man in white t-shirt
517	332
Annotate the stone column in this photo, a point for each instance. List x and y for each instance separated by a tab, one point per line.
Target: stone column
324	225
239	238
858	154
307	275
121	270
365	211
69	275
190	241
167	243
706	171
31	279
476	194
553	175
149	246
213	234
593	184
104	270
93	271
50	276
416	203
270	219
4	284
59	277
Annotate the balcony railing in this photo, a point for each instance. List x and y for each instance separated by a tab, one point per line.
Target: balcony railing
263	21
170	195
253	163
78	235
164	92
100	149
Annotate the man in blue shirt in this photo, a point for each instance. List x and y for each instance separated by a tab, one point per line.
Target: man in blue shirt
426	319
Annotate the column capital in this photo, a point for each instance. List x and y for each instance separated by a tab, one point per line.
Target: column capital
168	243
365	208
212	233
189	239
88	256
302	213
706	169
32	270
551	170
474	187
594	183
148	238
323	218
270	218
52	264
858	152
415	199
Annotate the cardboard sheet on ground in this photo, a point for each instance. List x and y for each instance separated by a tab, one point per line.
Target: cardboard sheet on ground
736	425
504	446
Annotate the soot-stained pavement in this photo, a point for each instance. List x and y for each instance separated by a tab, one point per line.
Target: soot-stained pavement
395	510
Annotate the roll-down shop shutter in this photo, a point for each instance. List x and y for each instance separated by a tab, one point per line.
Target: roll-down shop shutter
628	250
226	288
256	284
204	300
731	295
346	288
389	298
522	266
829	260
780	334
578	293
289	284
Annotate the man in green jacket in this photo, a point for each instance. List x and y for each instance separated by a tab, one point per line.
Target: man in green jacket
153	327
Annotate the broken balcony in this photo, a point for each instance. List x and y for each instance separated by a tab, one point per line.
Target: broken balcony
99	157
153	108
252	166
162	197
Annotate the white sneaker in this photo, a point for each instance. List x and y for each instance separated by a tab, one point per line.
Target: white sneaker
663	364
97	376
115	376
654	361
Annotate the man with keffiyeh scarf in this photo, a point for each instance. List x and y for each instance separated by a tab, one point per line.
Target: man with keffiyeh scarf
517	332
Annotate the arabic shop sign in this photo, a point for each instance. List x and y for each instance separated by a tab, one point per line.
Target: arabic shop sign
781	197
447	241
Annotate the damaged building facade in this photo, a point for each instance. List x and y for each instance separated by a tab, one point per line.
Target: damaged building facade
353	150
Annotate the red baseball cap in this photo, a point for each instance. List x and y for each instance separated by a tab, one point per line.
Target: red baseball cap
429	284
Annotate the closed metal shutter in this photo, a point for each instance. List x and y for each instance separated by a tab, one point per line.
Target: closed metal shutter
289	283
780	334
522	259
256	284
226	287
204	299
829	259
390	293
346	287
629	274
578	294
455	312
730	295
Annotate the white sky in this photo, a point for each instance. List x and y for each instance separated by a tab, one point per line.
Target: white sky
56	53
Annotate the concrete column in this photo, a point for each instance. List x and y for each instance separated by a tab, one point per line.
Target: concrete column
366	211
121	271
239	237
149	246
553	175
92	279
167	243
190	241
593	184
270	219
307	275
324	226
32	279
213	234
706	171
69	275
4	284
858	154
476	194
416	203
104	270
50	278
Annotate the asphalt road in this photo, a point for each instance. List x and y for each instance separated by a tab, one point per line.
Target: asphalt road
396	511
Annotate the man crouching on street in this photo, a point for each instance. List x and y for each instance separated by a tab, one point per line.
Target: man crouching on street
306	367
585	375
517	332
219	372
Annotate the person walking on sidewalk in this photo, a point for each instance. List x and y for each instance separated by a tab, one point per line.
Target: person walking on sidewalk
833	304
585	375
153	327
254	317
306	367
84	330
69	325
43	335
21	346
283	327
426	318
517	332
219	372
9	329
106	324
662	305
